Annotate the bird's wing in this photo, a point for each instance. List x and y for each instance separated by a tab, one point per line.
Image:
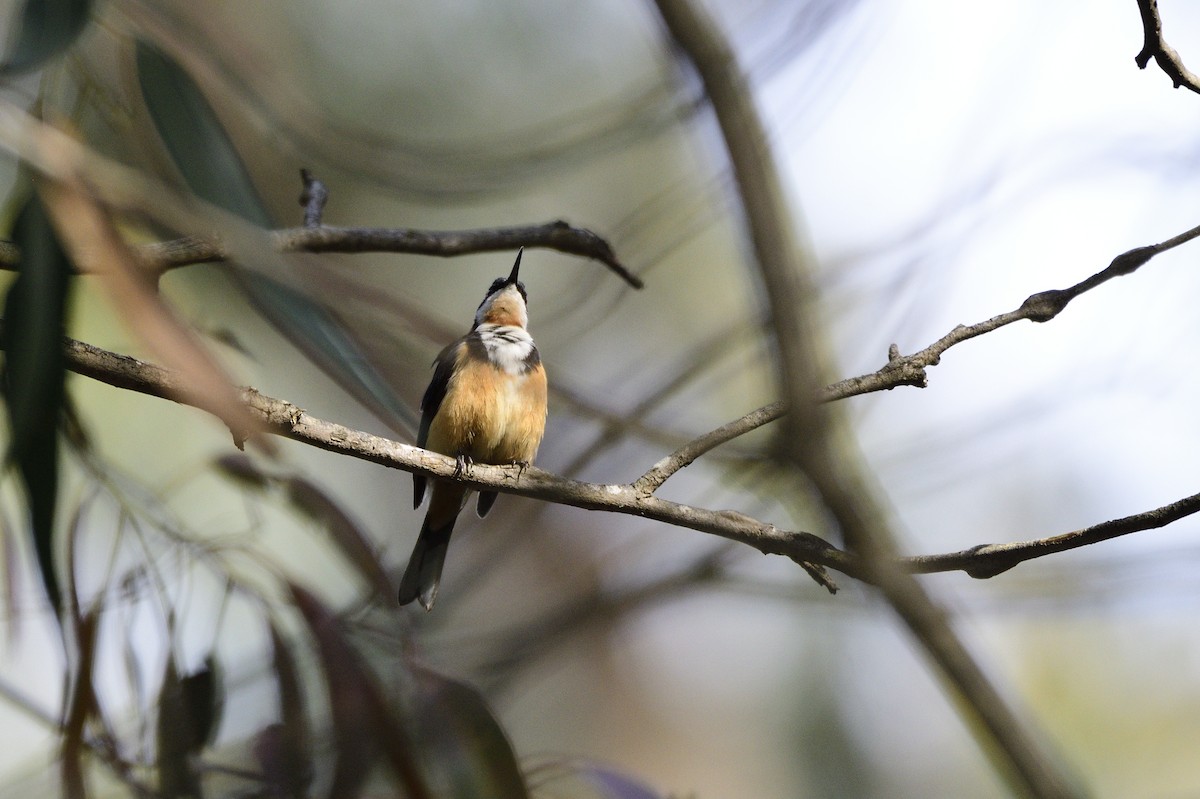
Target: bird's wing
443	370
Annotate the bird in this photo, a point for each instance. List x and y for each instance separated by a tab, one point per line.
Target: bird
486	403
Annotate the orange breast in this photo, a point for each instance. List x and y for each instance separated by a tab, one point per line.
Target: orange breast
489	415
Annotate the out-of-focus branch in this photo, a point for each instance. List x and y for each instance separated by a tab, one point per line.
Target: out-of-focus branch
817	441
101	747
1156	47
124	189
557	235
910	370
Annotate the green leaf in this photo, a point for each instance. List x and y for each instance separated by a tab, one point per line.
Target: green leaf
213	170
193	135
461	742
44	29
82	706
34	375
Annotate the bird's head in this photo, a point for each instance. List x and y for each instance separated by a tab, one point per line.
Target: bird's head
506	301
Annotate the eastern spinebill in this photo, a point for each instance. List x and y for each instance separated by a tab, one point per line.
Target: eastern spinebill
485	404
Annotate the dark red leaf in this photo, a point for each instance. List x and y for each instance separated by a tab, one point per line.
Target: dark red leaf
203	703
346	534
82	706
461	741
283	749
364	726
239	467
175	738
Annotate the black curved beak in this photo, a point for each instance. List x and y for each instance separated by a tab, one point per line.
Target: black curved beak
512	278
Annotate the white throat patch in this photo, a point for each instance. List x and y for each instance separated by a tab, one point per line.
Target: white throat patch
507	346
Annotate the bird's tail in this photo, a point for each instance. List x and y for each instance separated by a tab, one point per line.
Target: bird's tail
424	571
420	580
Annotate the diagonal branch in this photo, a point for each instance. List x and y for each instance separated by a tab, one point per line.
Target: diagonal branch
910	370
1156	47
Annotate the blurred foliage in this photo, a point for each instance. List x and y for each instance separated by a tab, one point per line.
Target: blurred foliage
35	309
43	29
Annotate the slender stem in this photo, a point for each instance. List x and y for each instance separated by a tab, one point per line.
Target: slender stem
1156	47
910	370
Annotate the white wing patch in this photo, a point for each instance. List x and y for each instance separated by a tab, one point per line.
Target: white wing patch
507	346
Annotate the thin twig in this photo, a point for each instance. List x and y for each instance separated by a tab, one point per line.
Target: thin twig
988	560
557	235
689	452
910	370
312	199
1156	47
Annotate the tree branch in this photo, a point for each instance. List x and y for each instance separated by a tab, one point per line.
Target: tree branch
988	560
284	419
556	235
125	189
910	370
1156	47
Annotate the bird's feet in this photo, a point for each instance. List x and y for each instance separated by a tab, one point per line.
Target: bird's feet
462	466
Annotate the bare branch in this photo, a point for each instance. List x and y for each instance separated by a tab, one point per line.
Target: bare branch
312	199
289	421
988	560
557	235
689	452
284	419
909	370
1156	47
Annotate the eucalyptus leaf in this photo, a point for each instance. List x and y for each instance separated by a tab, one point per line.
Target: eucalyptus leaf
462	742
43	29
35	374
175	738
211	167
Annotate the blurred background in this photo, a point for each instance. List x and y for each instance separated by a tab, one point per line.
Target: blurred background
943	161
